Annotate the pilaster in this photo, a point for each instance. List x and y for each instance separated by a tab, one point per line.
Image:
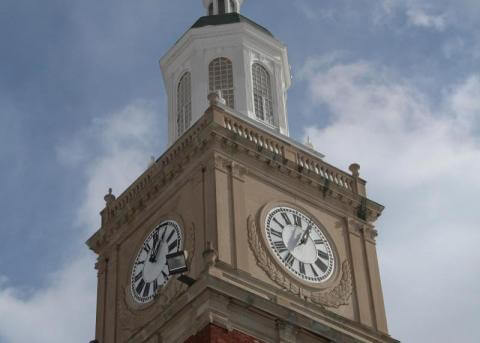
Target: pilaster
101	267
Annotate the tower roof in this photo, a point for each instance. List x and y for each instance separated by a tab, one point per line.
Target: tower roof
228	18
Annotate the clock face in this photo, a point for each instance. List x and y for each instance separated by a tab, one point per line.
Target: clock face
150	271
299	244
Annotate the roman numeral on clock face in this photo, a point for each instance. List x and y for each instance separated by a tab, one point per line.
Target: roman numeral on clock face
139	276
319	241
146	291
278	223
302	267
155	285
322	254
297	220
140	286
170	235
173	245
286	219
147	248
280	246
320	264
276	233
289	259
314	271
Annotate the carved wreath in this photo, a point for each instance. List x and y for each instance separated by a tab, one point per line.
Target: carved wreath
339	295
131	319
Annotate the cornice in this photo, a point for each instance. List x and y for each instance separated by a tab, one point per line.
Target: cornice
234	134
221	289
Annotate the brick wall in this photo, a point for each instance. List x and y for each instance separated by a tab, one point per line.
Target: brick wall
215	334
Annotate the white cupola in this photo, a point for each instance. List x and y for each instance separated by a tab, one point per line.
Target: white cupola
227	52
215	7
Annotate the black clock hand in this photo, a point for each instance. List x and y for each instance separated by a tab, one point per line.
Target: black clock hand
305	235
155	254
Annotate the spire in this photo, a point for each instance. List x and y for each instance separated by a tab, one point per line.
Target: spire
214	7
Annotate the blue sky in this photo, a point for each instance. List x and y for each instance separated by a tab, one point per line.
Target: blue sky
392	85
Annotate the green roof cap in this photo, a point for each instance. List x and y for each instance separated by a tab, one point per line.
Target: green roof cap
229	18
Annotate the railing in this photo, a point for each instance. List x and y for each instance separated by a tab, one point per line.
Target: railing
325	171
261	140
303	159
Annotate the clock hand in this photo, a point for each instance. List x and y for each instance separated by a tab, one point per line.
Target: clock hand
305	235
155	255
154	247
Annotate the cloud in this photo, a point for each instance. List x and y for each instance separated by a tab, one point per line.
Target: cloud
111	152
464	103
421	157
62	312
419	17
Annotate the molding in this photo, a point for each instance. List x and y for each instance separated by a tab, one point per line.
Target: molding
101	265
287	333
358	227
225	132
336	297
131	321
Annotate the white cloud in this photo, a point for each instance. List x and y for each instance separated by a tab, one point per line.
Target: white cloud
465	103
419	17
112	152
62	312
421	159
128	139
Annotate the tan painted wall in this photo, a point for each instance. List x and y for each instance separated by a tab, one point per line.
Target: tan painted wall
213	195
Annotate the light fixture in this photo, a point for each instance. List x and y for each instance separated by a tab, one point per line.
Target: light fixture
177	265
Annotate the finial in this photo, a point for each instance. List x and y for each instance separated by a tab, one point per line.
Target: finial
354	168
309	143
109	197
215	98
152	161
210	256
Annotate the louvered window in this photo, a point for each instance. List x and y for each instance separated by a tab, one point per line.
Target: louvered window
221	6
184	103
220	77
262	94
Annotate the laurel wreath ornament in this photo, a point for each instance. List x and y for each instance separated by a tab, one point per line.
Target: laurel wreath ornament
336	297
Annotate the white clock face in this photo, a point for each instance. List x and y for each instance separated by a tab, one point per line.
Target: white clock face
150	271
299	244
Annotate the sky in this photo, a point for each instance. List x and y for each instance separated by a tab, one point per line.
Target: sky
393	85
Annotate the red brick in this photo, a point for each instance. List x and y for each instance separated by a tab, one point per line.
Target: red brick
215	334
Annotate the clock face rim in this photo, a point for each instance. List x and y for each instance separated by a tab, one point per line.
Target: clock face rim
333	274
138	252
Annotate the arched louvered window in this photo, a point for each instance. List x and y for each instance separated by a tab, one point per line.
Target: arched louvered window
184	103
262	94
210	9
220	77
232	6
221	6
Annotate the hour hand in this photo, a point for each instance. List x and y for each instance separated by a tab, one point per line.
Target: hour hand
305	235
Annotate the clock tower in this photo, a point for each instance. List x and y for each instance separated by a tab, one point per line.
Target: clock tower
280	244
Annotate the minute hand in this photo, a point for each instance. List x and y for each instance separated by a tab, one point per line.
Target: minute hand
304	238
